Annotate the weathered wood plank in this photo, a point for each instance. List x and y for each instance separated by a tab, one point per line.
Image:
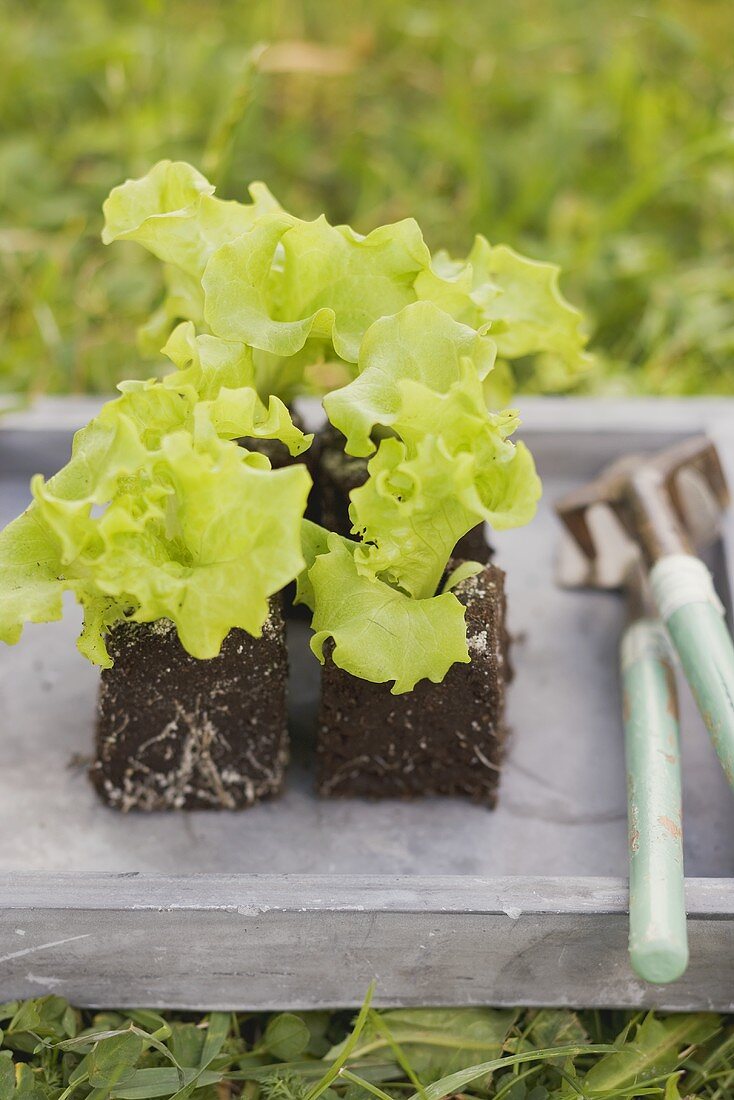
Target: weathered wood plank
270	942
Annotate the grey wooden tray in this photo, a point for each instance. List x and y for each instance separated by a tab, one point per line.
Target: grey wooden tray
301	903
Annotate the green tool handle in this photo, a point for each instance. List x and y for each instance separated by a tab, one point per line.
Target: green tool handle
686	599
658	943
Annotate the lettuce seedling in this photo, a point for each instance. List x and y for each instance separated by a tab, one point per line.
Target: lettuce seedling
443	463
423	344
161	514
303	294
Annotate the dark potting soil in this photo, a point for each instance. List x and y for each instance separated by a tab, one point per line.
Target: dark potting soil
176	733
338	473
442	739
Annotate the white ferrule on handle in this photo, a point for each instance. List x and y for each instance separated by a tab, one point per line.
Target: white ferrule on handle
681	579
646	639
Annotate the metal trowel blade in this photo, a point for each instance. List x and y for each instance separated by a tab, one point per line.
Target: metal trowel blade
616	554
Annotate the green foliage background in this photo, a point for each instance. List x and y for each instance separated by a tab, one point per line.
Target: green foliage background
49	1051
597	133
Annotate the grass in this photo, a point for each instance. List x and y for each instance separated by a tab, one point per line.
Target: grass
50	1051
598	133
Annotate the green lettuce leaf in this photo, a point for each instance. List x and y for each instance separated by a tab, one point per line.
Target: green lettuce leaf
158	515
517	298
171	211
166	198
418	502
314	541
462	572
286	281
449	462
422	343
206	362
29	575
443	464
218	377
253	273
151	409
41	551
237	414
378	633
228	539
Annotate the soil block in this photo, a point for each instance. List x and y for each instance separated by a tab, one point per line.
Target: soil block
338	473
176	733
439	739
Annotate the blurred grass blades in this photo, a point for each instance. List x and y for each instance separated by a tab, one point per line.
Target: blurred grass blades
51	1051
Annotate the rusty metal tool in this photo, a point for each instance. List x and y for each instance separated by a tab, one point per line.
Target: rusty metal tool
647	494
658	942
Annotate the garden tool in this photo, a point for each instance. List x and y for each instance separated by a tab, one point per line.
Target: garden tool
658	942
646	493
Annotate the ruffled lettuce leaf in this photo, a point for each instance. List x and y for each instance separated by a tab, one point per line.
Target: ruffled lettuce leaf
208	395
423	344
522	300
33	580
286	280
253	273
218	376
36	549
228	539
172	212
162	204
419	501
314	541
157	515
29	576
274	282
240	414
149	410
519	299
377	632
448	462
206	362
